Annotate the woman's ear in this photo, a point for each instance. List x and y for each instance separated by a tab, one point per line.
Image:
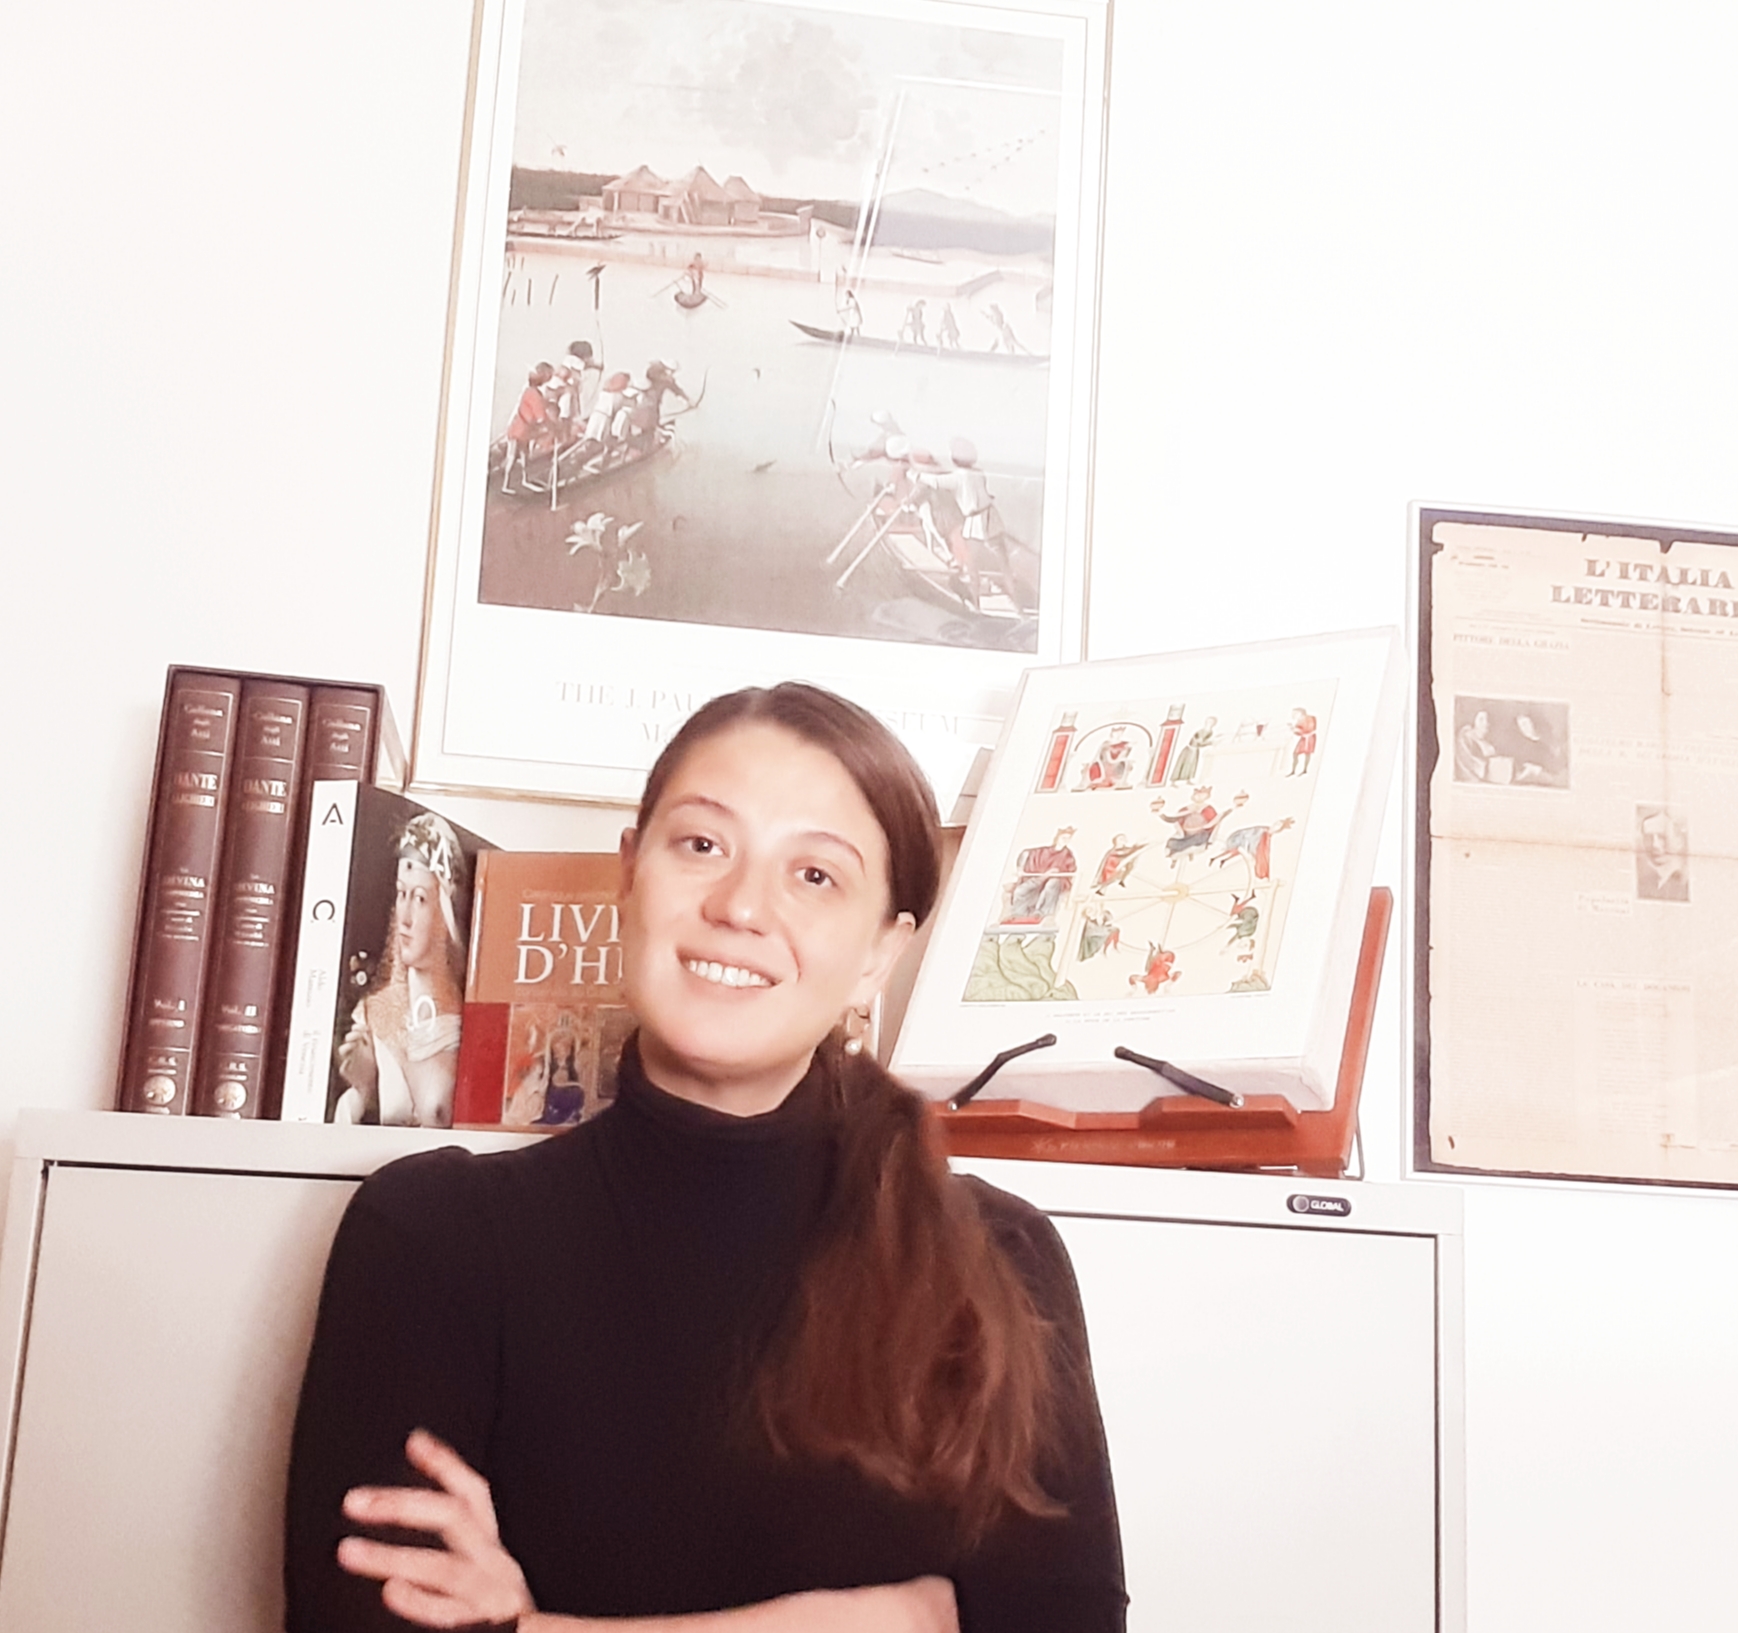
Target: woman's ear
889	945
629	852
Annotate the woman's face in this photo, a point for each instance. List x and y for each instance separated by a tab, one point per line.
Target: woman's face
755	913
416	916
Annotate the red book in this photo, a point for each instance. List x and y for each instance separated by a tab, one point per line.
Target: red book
544	1016
251	918
195	750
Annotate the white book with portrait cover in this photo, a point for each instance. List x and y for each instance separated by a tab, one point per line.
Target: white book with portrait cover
382	930
1172	854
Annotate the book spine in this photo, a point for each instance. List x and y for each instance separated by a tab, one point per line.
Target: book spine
175	926
479	1093
319	962
230	1059
343	730
341	738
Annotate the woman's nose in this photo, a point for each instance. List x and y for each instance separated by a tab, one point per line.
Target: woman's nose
739	898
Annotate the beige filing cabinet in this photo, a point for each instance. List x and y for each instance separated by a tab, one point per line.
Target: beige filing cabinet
1281	1383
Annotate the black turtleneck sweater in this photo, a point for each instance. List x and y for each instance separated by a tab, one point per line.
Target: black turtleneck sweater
576	1317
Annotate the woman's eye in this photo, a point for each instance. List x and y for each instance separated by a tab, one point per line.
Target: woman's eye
816	876
700	845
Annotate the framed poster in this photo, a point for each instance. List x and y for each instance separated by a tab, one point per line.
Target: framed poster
1575	993
771	356
1171	854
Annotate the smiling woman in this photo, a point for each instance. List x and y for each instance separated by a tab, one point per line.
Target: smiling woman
756	914
742	1353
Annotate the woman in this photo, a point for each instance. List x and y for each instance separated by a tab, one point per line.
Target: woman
740	1354
400	1057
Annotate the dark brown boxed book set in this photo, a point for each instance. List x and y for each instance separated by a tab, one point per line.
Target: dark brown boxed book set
234	755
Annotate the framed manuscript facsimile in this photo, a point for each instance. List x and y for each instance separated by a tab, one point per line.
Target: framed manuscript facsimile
1575	984
1173	855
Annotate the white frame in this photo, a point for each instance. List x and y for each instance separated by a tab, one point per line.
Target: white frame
551	703
1284	1041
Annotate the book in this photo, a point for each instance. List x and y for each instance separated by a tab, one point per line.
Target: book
544	1015
344	744
343	728
230	1053
377	988
1170	855
190	791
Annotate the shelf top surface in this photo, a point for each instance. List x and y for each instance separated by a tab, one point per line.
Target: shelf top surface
135	1140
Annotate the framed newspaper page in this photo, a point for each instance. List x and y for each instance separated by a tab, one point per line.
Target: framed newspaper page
1172	854
1575	984
771	355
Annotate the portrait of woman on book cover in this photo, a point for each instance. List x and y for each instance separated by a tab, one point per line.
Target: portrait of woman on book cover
400	1057
769	1367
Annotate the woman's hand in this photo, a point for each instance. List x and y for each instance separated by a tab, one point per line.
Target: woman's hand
471	1579
356	1063
923	1605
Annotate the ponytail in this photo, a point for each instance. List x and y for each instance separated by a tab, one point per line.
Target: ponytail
912	1349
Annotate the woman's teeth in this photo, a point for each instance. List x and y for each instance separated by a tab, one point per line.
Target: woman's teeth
726	975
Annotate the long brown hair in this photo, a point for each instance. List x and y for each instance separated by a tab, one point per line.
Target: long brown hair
911	1349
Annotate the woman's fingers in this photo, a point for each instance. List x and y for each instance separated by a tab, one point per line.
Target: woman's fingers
415	1509
435	1458
426	1609
470	1579
436	1588
431	1568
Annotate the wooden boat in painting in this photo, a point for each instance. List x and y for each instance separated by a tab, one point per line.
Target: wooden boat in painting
558	477
1001	586
876	343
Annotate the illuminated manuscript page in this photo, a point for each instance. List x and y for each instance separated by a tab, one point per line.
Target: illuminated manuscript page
1583	895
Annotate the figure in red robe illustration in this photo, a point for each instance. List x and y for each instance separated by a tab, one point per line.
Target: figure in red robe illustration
1110	768
1160	968
1046	875
1117	864
1195	823
1255	844
1303	728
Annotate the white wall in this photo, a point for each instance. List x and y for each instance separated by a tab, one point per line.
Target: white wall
1357	252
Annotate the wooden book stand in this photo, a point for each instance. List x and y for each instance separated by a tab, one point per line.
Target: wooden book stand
1181	1131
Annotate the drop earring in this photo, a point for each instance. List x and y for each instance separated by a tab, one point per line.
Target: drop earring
856	1025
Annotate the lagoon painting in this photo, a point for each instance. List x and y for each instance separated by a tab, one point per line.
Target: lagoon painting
774	347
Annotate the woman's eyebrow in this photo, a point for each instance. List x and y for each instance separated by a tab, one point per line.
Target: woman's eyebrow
704	800
826	836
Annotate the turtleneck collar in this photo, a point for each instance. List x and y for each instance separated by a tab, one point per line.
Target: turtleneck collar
800	1119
